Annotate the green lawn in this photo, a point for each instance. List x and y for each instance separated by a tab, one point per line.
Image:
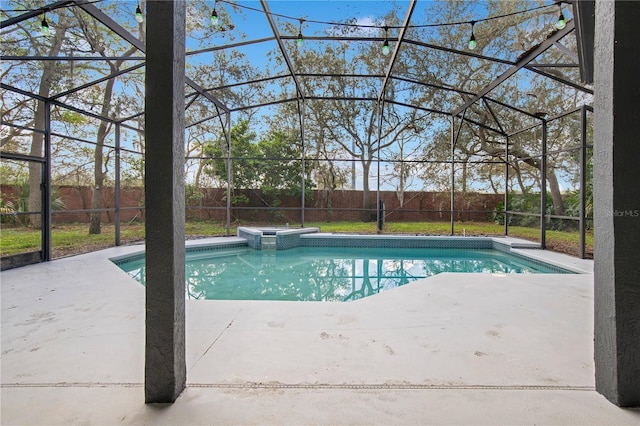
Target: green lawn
74	238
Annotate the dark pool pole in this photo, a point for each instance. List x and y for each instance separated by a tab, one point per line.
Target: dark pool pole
47	181
165	368
454	139
543	188
116	190
583	180
379	212
453	170
229	170
301	113
506	185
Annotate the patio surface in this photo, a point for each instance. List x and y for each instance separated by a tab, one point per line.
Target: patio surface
450	349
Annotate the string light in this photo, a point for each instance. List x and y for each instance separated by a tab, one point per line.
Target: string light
472	39
139	17
358	25
385	46
214	15
44	25
561	21
300	37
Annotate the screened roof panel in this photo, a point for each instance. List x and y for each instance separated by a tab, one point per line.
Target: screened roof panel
543	94
462	73
565	133
560	62
421	96
510	120
127	96
212	69
232	59
230	27
338	57
198	110
419	60
131	140
342	87
27	42
254	94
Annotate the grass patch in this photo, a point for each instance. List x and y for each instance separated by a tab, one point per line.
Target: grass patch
70	239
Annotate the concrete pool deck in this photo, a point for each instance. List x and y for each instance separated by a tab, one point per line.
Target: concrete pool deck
450	349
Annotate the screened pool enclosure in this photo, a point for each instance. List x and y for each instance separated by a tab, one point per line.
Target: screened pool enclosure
384	112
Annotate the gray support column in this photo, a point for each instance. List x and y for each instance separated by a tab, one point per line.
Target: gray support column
617	202
165	369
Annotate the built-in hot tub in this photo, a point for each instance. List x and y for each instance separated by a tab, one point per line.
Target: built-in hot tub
273	238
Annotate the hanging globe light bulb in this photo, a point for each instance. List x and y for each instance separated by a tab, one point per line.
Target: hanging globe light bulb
214	17
300	37
561	21
139	17
44	25
472	39
385	47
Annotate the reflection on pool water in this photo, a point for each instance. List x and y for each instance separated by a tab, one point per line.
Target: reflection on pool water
329	274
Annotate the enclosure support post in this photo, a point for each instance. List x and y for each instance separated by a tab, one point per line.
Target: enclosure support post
301	111
229	171
378	209
117	186
165	367
506	185
543	188
616	155
46	186
454	140
453	170
583	181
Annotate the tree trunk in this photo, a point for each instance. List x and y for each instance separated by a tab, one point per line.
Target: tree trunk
366	196
516	167
400	190
98	157
103	131
35	169
556	194
37	139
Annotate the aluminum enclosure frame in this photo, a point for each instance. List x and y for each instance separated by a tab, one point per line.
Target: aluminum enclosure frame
526	62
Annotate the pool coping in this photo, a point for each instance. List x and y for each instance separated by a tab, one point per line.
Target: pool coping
515	246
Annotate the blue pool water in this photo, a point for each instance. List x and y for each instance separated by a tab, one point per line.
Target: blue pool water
327	274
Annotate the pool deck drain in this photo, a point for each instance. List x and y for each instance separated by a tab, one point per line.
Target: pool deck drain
454	348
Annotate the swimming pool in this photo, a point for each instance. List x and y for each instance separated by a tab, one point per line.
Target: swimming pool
328	273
